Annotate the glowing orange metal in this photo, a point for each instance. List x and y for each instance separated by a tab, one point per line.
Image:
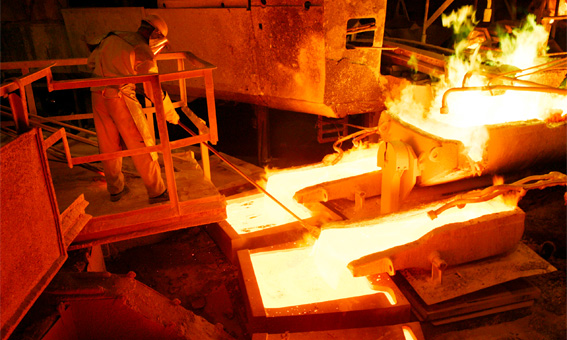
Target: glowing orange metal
452	244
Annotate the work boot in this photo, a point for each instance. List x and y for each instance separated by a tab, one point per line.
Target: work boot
161	198
118	196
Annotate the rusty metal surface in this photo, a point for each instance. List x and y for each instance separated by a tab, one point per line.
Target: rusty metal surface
202	3
286	56
74	219
454	243
32	246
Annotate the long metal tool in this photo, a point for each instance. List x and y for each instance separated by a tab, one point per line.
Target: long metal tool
532	182
312	229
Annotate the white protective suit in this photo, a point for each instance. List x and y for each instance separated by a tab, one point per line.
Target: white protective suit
117	113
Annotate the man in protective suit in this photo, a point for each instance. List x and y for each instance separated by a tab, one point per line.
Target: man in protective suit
118	115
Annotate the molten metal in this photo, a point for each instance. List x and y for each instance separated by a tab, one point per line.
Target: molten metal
343	242
291	278
252	213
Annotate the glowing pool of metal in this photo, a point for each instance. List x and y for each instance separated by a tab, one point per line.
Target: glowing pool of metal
257	212
291	278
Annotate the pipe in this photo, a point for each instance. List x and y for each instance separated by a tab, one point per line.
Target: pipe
356	137
437	261
445	109
532	182
555	17
438	265
76	128
548	64
52	129
499	76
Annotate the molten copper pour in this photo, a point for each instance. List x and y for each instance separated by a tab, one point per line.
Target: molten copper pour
313	230
445	109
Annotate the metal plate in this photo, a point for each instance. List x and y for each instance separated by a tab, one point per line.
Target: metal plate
32	247
472	277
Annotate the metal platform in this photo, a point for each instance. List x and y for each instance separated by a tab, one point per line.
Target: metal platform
133	216
75	168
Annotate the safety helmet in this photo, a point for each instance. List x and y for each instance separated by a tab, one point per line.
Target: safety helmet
157	22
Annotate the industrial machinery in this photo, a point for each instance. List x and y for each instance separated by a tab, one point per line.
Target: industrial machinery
318	57
409	156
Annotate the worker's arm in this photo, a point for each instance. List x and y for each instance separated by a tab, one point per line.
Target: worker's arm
147	65
168	109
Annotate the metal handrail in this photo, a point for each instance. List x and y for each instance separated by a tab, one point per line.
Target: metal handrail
152	82
203	69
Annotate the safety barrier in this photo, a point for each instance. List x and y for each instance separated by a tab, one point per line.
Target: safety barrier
23	106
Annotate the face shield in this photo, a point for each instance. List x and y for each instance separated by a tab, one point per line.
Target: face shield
158	42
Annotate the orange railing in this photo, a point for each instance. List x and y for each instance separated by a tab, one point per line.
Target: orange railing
23	105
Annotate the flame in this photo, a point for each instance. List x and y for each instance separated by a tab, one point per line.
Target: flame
471	111
497	180
511	198
257	212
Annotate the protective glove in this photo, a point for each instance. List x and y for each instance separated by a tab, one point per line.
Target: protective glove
170	113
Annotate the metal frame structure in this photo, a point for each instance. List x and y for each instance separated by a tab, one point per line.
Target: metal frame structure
150	219
428	21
